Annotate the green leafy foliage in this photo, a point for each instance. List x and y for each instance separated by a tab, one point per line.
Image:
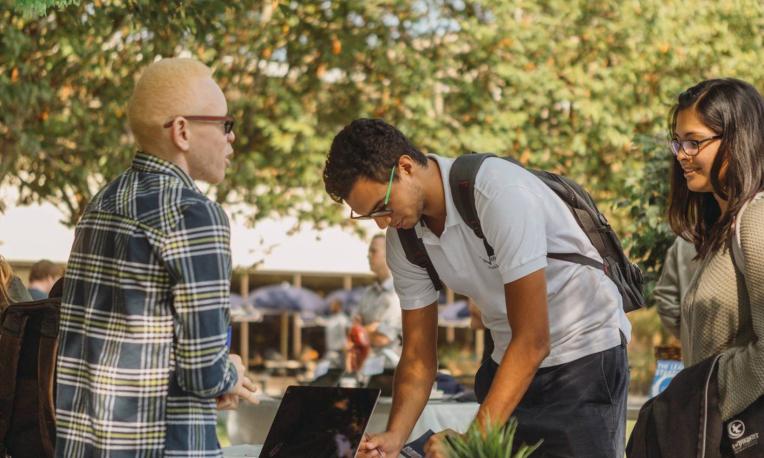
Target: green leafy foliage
496	442
645	198
34	8
580	87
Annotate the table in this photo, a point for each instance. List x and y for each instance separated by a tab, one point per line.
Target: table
242	451
244	322
249	424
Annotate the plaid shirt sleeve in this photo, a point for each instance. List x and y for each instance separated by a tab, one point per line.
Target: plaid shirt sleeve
198	258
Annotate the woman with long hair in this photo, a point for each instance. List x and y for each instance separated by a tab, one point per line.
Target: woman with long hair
6	275
717	130
12	289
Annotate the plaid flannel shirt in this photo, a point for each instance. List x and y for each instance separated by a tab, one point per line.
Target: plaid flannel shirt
144	320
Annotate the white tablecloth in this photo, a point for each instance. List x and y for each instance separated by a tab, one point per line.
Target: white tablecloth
242	451
249	424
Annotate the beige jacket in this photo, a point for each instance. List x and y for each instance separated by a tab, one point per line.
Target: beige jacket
723	312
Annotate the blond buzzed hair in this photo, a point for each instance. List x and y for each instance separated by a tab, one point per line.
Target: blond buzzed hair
165	89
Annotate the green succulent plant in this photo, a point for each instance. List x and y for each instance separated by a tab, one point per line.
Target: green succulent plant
496	442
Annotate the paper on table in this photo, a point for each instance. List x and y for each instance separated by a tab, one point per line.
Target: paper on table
373	366
242	451
321	369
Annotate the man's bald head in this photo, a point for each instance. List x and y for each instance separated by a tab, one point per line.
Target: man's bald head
166	88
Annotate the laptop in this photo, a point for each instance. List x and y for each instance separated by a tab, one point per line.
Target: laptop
320	422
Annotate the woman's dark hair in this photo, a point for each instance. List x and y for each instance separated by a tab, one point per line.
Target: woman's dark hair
365	148
735	110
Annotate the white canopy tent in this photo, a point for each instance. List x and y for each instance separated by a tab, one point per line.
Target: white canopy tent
34	232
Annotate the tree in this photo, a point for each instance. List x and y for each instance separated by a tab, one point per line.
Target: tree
34	8
66	78
572	86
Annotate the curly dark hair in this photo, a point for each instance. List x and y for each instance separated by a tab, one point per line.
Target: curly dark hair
735	110
365	148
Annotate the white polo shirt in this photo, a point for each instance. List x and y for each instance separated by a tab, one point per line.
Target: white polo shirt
522	220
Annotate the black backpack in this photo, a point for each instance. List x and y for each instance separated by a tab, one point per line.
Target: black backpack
626	276
28	345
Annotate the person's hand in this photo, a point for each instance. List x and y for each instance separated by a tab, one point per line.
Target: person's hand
245	388
385	444
228	401
436	446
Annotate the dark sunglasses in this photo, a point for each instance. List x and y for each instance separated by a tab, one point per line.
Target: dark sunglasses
226	120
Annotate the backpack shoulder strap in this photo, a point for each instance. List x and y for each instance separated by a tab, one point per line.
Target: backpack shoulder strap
12	327
416	254
46	376
461	179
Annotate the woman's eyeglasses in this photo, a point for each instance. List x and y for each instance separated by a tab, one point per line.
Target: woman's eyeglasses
690	147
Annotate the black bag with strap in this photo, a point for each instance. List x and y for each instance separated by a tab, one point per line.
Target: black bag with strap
28	347
685	421
626	275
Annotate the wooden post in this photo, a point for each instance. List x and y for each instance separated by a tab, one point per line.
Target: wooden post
479	341
450	333
244	284
244	325
244	342
296	336
347	282
284	334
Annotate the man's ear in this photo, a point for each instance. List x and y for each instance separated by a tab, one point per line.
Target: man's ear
406	164
180	133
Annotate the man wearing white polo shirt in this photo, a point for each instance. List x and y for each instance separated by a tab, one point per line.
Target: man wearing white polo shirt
379	310
559	362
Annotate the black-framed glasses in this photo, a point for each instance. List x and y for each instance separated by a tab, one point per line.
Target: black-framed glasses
227	121
384	211
690	147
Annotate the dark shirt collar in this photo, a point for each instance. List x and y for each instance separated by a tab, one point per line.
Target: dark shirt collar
145	162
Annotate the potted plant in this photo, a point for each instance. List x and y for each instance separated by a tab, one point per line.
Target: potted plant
496	442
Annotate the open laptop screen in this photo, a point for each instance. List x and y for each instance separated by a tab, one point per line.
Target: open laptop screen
318	422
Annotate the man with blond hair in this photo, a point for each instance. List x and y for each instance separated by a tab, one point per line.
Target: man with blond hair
143	360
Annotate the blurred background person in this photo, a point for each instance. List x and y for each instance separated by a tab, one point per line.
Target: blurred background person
379	311
337	326
43	275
